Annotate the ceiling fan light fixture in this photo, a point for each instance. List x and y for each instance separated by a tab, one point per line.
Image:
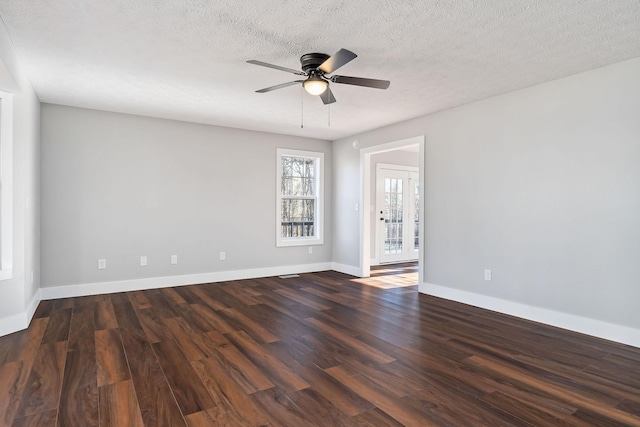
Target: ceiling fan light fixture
315	85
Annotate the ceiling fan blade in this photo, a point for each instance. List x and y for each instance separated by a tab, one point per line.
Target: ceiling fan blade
276	67
327	97
336	61
280	86
360	81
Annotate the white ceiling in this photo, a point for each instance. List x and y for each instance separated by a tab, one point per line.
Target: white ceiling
185	59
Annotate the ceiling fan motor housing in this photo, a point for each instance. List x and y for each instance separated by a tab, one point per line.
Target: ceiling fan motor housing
311	61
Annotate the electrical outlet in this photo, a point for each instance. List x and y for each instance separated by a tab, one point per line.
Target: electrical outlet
143	260
310	250
487	275
102	264
223	256
174	259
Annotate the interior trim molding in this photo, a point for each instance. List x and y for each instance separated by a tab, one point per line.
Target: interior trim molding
55	292
346	269
572	322
19	321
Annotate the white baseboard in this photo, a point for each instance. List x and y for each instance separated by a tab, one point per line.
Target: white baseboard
68	291
21	320
346	269
584	325
33	305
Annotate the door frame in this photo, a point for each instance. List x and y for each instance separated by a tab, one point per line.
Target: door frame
365	200
408	209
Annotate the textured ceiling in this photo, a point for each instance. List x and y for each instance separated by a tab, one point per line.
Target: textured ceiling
185	59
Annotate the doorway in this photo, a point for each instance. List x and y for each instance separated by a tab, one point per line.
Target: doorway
397	213
368	212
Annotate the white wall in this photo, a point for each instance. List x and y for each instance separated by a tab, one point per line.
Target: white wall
542	186
20	293
118	187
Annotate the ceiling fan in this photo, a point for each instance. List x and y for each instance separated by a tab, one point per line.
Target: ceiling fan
316	66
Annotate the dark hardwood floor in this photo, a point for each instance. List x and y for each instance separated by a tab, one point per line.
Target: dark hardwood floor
322	349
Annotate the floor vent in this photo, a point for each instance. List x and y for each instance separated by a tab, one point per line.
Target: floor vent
289	276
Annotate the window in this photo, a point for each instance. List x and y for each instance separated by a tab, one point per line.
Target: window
300	201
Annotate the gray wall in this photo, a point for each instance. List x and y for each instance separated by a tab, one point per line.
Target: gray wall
19	292
541	185
118	186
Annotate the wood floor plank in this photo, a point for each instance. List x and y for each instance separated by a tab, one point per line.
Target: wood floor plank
277	371
45	308
352	342
13	381
125	315
220	324
220	298
187	387
157	405
112	366
526	413
119	405
57	327
105	316
242	294
194	345
153	325
302	299
242	370
197	322
232	405
254	329
41	419
172	296
281	409
195	294
23	345
43	386
586	405
317	407
140	300
340	396
79	386
375	418
404	414
161	306
278	323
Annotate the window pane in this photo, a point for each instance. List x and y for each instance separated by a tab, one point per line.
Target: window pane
298	218
300	174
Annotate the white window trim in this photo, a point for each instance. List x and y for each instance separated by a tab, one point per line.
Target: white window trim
6	185
318	239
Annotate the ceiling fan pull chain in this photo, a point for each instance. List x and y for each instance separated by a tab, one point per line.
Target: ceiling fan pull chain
301	107
329	117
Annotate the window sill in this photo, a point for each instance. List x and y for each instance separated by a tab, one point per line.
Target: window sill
6	274
283	243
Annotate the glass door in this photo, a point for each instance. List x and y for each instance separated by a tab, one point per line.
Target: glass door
397	216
